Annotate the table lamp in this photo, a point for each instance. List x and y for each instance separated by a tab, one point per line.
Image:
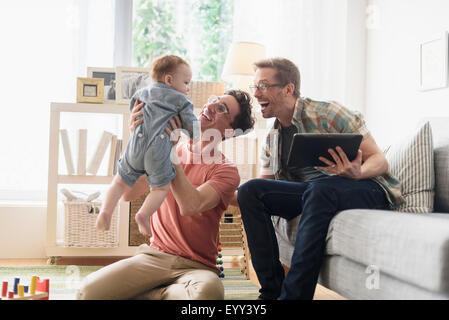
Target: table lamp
238	68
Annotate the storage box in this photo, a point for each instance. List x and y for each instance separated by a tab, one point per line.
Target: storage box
79	226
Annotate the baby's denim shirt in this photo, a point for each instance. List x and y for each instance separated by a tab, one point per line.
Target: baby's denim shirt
149	147
162	103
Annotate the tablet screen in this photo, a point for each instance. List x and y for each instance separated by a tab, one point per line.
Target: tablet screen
308	147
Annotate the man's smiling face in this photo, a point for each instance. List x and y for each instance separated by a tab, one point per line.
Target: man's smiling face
210	118
271	100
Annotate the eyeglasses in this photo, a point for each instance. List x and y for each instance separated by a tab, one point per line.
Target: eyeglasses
263	87
220	108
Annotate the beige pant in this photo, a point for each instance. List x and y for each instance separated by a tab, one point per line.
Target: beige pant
153	275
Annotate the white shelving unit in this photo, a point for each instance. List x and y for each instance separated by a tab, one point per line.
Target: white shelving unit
53	250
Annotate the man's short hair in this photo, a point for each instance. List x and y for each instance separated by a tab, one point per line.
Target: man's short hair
244	120
286	72
165	65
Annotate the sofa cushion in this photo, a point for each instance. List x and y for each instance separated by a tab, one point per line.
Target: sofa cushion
442	179
360	282
441	155
411	161
410	247
286	231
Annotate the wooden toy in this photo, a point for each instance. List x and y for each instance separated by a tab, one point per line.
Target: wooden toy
38	290
4	288
16	282
20	290
220	262
33	285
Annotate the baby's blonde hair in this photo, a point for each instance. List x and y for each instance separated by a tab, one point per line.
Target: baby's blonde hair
165	65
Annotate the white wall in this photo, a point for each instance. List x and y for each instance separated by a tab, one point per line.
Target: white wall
22	230
394	103
324	38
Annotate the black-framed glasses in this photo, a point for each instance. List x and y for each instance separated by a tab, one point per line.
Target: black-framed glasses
220	108
263	87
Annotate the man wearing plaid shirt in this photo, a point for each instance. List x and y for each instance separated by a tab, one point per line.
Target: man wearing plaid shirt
317	193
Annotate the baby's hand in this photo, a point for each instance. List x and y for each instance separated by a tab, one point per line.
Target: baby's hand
135	113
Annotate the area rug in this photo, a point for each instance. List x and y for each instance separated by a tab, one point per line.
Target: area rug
65	280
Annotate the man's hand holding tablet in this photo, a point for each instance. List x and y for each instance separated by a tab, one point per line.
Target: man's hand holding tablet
341	165
339	151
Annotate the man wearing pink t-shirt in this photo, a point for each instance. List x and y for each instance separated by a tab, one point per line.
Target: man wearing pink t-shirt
180	262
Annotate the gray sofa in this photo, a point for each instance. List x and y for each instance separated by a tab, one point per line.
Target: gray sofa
376	254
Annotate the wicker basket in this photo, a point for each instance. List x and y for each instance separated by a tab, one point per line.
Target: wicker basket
79	226
135	237
200	91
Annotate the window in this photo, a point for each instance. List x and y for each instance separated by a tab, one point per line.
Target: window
198	30
48	44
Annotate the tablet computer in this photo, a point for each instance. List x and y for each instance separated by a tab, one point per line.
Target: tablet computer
306	148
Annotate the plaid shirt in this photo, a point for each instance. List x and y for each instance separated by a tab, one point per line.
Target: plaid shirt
322	117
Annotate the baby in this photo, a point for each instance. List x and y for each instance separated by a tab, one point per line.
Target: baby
148	149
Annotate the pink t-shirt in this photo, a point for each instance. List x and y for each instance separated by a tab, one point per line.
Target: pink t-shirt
195	237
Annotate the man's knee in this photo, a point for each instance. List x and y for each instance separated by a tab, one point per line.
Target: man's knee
320	198
99	286
319	189
248	190
207	287
88	291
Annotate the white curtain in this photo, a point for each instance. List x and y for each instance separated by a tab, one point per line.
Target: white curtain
314	34
46	44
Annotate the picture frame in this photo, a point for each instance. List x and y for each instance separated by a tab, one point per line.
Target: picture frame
129	80
109	76
90	90
433	53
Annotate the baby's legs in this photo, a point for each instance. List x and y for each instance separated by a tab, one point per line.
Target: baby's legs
116	190
152	202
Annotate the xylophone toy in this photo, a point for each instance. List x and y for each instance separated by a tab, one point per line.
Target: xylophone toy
37	290
220	261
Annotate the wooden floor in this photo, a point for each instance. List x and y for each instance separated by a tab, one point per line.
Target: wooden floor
62	261
321	293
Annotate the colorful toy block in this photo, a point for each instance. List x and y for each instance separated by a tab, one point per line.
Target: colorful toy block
4	288
16	282
219	261
39	290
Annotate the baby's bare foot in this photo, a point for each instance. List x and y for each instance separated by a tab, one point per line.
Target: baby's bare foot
143	222
103	222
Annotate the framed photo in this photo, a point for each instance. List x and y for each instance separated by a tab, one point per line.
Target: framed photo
90	90
434	62
108	74
129	80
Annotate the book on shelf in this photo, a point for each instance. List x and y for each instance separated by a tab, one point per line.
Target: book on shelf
82	152
118	153
100	151
112	151
67	151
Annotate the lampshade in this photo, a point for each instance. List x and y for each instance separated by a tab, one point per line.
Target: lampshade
240	59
